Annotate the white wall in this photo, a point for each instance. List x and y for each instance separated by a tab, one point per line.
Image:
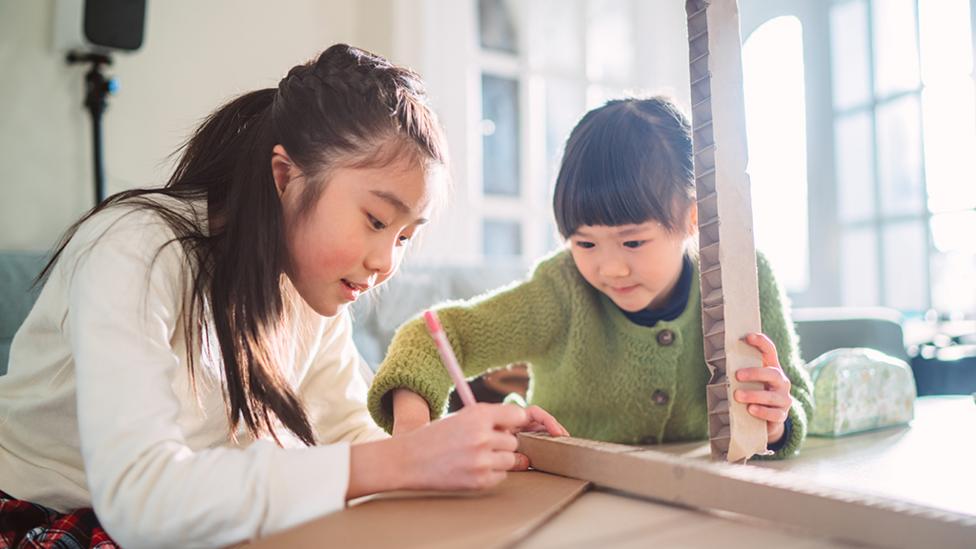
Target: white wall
196	54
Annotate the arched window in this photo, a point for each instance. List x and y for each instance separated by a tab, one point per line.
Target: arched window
772	66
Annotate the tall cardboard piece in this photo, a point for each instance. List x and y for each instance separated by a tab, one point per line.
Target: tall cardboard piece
729	288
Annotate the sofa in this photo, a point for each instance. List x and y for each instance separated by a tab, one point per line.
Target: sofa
416	287
376	317
17	273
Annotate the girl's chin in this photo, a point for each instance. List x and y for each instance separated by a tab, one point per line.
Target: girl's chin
631	306
324	306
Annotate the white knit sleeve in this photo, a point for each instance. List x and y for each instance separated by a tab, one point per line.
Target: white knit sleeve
334	390
149	489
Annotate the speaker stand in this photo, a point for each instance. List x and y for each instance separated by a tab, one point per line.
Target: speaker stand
98	87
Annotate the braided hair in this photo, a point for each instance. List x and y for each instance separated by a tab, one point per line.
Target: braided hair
346	108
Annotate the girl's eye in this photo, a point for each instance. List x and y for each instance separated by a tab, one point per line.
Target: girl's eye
376	223
403	240
634	243
584	244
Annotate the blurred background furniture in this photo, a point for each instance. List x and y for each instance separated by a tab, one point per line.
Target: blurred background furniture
17	273
943	363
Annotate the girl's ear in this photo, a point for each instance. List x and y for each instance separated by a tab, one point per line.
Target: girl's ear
693	218
283	170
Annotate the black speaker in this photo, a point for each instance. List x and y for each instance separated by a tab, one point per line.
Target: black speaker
116	24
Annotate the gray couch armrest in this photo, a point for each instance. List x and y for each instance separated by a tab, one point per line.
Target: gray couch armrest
824	329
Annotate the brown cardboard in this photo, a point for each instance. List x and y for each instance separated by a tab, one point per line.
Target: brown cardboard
498	517
777	496
729	287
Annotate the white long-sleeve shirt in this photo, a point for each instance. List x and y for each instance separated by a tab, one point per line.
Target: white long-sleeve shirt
97	409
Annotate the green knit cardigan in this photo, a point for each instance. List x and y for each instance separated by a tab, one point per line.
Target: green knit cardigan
601	375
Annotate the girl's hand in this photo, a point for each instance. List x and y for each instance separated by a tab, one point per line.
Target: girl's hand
772	403
539	421
469	450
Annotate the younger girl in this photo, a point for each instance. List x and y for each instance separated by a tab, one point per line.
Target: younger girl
188	369
612	326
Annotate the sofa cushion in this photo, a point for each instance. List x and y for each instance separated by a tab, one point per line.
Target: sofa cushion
17	273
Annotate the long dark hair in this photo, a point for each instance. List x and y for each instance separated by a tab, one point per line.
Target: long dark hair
347	107
627	162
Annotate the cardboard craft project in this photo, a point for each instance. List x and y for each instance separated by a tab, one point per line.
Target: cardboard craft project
781	497
498	517
729	287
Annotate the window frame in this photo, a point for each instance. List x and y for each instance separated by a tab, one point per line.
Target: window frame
826	228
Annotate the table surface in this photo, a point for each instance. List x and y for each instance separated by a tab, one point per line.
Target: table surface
930	462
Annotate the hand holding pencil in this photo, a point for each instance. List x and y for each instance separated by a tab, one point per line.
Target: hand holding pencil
539	419
473	448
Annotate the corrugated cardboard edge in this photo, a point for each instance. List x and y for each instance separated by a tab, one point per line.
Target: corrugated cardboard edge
730	293
777	496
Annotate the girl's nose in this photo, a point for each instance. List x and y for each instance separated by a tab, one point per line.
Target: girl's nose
381	260
613	268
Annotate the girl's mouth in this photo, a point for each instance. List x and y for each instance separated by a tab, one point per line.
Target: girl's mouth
623	289
351	290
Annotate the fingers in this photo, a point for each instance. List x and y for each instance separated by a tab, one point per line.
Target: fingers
766	348
538	416
764	398
506	417
774	378
502	441
521	462
770	414
503	461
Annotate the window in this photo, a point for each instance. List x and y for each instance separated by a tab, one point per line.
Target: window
772	66
535	84
904	118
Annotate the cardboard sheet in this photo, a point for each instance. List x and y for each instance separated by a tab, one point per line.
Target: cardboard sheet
783	498
729	287
499	517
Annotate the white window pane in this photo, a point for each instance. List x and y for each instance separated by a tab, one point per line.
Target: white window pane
854	157
954	282
895	46
905	257
772	64
949	109
500	135
565	104
900	157
946	39
859	267
849	54
610	40
501	238
497	24
955	232
556	34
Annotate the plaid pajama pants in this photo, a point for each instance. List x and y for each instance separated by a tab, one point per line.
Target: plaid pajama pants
25	525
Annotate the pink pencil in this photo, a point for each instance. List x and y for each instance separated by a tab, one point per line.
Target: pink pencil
448	358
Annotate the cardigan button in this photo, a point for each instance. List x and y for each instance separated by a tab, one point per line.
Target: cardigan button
660	397
665	337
